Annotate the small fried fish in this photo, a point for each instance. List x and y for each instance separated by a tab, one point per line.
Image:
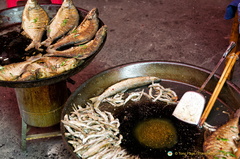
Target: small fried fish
34	23
85	50
65	20
82	34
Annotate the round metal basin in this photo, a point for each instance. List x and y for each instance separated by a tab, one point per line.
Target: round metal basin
177	76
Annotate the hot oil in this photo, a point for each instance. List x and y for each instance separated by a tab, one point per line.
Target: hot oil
156	133
150	131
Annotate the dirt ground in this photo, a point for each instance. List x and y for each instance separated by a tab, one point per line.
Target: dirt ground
190	31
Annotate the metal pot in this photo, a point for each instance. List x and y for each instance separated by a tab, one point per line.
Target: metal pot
178	76
10	19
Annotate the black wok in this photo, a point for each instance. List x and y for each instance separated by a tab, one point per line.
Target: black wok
177	76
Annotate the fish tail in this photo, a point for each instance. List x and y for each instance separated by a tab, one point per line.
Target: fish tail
96	101
50	50
47	42
30	46
237	113
35	45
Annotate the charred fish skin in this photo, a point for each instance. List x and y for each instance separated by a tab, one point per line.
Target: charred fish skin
85	50
82	34
65	20
34	22
221	143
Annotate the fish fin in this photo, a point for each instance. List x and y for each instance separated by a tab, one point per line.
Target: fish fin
96	104
124	90
47	42
72	30
34	58
93	99
25	34
27	76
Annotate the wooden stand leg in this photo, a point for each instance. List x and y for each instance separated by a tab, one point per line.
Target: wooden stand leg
26	137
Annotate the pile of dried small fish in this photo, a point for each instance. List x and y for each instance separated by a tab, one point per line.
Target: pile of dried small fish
94	133
67	42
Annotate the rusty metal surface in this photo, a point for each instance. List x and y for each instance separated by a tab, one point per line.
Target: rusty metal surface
11	19
178	76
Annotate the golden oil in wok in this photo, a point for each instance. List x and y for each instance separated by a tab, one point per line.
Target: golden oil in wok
150	131
156	133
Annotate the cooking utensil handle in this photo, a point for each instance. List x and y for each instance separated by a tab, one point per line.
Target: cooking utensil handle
233	57
228	50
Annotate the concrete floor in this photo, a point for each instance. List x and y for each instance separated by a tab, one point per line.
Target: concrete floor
189	31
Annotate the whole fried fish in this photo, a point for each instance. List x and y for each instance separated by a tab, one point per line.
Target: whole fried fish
34	23
123	85
55	65
48	66
221	143
82	34
13	71
85	50
65	20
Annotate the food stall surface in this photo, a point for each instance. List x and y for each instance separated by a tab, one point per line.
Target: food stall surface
190	31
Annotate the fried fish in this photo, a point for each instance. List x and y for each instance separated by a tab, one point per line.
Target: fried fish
85	50
66	19
82	34
34	22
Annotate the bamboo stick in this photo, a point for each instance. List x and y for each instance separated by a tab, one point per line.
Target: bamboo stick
226	72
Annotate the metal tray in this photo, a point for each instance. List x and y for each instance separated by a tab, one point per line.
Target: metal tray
10	19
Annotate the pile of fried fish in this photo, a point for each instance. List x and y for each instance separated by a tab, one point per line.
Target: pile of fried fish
69	41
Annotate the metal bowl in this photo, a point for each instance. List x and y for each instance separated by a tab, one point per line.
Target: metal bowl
10	19
178	76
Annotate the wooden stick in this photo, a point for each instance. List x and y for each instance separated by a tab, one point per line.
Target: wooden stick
223	78
234	37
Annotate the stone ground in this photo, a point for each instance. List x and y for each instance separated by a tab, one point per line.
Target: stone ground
189	31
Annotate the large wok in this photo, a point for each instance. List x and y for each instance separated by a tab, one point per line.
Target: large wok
10	19
178	76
